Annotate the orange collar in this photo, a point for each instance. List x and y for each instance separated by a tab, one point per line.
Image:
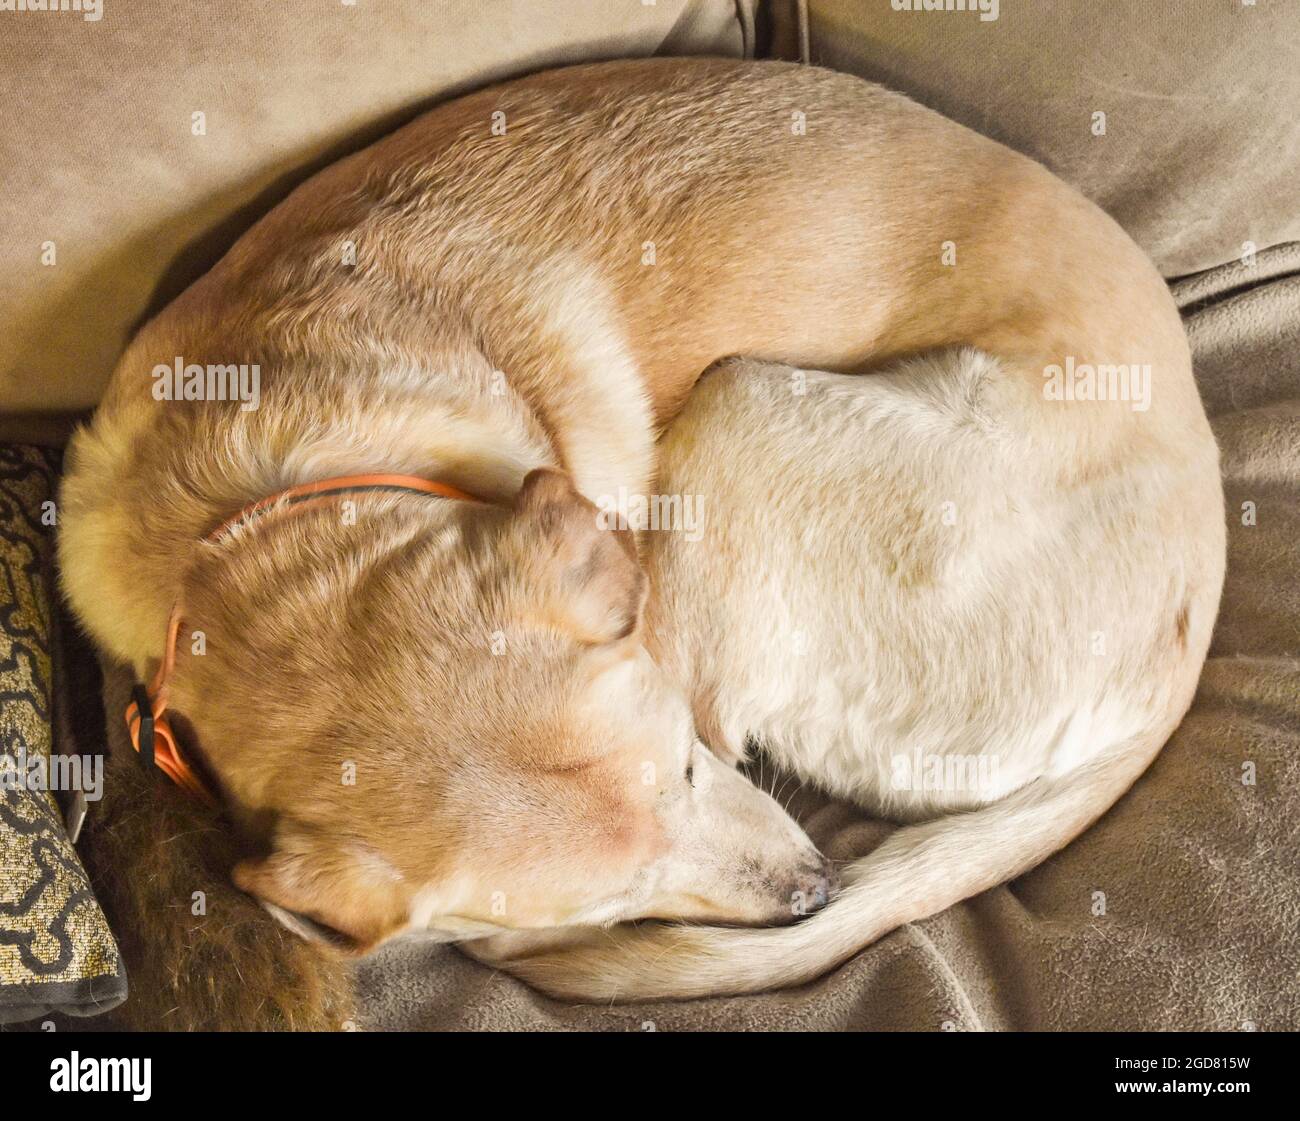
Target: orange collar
146	722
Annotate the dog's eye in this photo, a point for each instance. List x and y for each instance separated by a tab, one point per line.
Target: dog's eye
690	773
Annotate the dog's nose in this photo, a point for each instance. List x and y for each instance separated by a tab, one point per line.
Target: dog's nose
815	884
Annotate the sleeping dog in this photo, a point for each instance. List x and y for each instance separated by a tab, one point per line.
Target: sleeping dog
900	595
390	634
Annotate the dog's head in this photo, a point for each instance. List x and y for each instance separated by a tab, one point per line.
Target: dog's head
449	723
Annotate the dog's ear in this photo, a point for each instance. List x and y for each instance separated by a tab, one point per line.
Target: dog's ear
592	583
322	894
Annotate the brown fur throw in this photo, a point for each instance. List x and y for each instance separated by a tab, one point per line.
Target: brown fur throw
200	954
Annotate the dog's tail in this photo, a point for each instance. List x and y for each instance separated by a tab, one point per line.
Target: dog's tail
918	871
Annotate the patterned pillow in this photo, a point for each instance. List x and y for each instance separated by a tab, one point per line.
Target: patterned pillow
56	951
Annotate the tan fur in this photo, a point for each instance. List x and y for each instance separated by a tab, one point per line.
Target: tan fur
511	739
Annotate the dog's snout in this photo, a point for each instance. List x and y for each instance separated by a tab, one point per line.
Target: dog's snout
815	885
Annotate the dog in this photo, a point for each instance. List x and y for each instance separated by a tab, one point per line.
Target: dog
901	597
437	713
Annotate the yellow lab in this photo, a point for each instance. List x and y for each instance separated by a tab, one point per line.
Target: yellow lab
450	715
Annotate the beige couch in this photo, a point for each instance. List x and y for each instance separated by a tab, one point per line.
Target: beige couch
118	193
1199	157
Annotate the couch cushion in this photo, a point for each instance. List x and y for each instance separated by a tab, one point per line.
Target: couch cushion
56	951
1201	151
117	195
